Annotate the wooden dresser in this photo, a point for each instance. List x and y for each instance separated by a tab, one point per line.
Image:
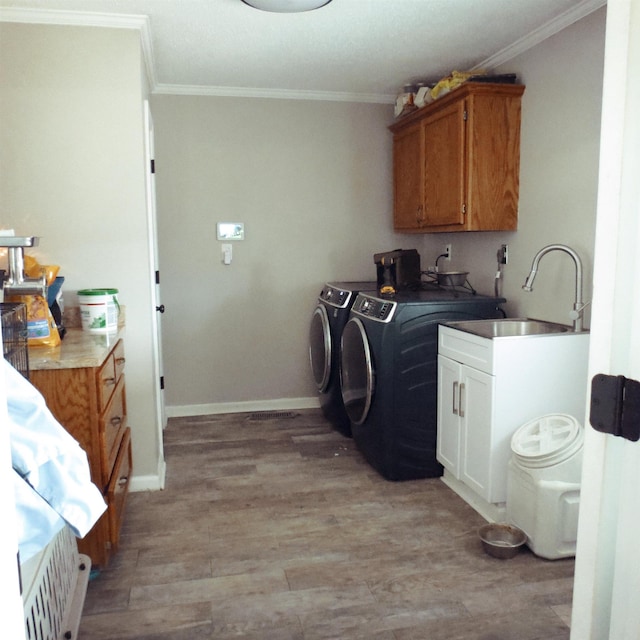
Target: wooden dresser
83	384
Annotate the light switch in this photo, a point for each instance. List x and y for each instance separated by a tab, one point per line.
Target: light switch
227	253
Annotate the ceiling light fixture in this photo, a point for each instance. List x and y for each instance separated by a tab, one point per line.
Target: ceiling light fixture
286	6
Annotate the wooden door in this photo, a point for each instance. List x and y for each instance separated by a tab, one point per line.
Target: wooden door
444	153
493	162
408	182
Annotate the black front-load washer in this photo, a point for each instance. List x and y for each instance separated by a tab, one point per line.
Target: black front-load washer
327	321
389	370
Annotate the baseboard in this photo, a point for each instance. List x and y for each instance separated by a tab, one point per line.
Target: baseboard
281	404
490	512
150	482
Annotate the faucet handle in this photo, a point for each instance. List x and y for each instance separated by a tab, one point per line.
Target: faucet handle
577	310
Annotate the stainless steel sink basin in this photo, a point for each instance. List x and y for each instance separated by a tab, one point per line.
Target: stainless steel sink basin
510	327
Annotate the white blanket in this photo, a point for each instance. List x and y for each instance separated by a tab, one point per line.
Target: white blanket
51	461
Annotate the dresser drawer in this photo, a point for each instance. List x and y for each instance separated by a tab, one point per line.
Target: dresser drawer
112	425
118	358
118	489
108	374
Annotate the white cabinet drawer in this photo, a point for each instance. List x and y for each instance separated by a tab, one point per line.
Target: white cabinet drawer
475	351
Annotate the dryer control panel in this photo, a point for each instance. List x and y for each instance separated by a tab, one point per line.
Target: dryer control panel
374	308
335	296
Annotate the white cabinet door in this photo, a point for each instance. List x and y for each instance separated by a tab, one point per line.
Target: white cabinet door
477	438
448	440
465	424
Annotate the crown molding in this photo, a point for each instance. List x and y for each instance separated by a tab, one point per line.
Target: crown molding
540	34
86	19
142	24
278	94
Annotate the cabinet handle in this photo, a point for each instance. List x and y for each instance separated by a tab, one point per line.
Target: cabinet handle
109	381
120	360
462	400
116	421
122	481
455	395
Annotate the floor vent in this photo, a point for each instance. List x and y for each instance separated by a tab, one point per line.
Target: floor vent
271	415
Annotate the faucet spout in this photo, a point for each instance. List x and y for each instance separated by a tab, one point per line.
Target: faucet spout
578	305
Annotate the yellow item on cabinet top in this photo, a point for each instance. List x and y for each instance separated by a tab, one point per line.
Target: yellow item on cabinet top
452	81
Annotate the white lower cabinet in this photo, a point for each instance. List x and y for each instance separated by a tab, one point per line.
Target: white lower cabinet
487	388
465	424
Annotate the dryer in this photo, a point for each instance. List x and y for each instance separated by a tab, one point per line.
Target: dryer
389	374
327	321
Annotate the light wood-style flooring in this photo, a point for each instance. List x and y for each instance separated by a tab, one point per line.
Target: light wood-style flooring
272	527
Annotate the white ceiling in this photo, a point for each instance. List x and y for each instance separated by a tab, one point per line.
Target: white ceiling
348	50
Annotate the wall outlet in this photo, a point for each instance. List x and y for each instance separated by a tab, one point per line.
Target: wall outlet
503	254
447	252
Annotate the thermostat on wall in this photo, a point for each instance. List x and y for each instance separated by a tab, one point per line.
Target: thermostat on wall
230	230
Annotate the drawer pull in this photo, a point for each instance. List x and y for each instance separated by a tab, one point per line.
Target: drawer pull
122	481
454	408
116	421
120	360
109	381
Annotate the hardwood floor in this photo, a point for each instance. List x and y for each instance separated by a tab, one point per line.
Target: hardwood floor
276	529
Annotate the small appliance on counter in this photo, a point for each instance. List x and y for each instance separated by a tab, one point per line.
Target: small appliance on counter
397	270
14	281
26	281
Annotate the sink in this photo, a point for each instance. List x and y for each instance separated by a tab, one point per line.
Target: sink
510	327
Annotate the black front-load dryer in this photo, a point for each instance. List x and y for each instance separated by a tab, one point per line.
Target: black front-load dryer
389	370
327	321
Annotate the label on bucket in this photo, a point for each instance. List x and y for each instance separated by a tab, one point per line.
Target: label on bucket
99	310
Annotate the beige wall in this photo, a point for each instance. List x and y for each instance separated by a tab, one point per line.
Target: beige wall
72	172
311	181
558	177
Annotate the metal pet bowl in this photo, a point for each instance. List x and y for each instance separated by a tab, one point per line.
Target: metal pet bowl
501	540
452	278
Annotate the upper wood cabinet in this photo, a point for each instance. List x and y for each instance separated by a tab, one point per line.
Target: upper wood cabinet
457	162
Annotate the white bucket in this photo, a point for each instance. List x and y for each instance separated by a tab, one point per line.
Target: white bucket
543	489
99	310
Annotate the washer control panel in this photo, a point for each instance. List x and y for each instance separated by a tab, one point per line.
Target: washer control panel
335	296
374	308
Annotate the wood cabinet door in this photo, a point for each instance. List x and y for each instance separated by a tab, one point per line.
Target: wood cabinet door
408	180
444	166
493	155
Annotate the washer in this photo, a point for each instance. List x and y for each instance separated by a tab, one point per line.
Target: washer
389	373
327	322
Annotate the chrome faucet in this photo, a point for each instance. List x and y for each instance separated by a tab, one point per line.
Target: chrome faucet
578	305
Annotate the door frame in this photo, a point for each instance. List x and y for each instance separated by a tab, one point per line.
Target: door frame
607	576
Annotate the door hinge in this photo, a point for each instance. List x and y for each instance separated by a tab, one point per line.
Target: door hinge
464	208
161	383
153	165
157	277
615	406
465	115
